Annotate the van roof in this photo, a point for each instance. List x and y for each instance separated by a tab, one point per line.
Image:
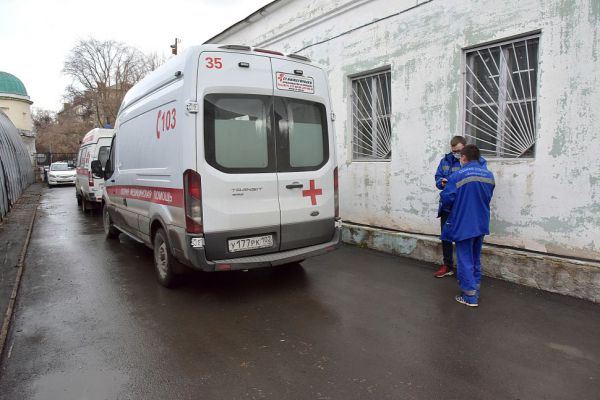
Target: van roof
172	69
95	134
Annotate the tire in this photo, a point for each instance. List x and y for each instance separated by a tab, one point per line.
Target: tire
110	232
165	264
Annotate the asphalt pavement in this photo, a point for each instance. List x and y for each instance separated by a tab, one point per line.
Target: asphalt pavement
92	323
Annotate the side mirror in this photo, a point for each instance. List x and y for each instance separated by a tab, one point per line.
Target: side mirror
97	168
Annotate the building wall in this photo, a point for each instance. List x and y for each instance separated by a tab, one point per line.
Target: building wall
19	113
550	203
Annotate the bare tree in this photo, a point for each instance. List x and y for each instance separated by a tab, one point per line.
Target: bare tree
102	72
60	132
42	119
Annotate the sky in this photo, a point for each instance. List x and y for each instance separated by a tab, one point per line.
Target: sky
36	35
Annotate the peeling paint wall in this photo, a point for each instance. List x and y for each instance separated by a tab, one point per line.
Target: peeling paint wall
550	203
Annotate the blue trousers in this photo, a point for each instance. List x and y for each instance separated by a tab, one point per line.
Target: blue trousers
468	255
447	248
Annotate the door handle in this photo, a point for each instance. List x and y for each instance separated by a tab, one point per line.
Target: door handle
112	180
295	185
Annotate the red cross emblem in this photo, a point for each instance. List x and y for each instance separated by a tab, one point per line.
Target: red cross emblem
312	193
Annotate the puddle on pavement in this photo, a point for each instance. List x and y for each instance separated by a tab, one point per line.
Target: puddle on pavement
83	384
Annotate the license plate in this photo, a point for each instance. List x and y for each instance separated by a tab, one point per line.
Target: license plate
257	242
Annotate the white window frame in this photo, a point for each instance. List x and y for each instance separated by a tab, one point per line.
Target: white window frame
523	130
380	149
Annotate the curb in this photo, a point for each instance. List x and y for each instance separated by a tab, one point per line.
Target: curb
562	275
13	297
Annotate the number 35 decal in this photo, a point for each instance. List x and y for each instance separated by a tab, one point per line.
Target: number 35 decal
213	62
165	121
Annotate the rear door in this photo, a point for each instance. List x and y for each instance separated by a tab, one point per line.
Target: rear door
236	155
305	154
102	154
100	151
112	186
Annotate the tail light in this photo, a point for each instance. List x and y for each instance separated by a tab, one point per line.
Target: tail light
90	178
277	53
192	187
336	192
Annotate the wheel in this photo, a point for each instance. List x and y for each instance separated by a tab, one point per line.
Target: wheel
85	207
165	264
110	232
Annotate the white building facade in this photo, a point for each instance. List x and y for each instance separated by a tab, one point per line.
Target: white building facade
519	78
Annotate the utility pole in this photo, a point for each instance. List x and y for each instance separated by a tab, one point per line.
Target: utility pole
174	46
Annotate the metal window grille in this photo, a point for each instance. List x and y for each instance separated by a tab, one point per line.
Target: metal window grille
371	110
501	98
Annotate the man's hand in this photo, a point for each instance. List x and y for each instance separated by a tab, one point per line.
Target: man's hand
444	181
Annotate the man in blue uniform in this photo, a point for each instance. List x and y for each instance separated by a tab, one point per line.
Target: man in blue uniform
467	194
448	165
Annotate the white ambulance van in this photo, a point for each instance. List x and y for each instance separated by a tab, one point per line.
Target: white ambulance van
224	159
95	145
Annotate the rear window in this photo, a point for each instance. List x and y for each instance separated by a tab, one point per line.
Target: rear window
103	154
237	133
253	133
303	139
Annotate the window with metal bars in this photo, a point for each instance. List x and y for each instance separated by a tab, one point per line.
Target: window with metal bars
501	98
371	110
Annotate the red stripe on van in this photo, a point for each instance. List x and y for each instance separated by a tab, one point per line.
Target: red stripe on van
166	196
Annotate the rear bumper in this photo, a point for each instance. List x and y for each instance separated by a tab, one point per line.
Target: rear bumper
95	197
196	256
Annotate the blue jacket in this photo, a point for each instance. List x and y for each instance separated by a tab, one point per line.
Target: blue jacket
468	194
447	166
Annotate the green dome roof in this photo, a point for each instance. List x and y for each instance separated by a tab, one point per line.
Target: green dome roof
11	84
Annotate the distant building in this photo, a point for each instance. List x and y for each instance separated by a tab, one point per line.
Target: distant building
16	104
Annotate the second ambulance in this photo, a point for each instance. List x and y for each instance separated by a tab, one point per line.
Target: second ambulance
223	159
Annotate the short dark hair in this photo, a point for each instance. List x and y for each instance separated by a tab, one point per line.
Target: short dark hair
471	152
458	139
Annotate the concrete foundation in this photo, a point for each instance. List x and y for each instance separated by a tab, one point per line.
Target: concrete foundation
554	274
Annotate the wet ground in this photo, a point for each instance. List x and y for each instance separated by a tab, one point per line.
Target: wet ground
92	323
13	234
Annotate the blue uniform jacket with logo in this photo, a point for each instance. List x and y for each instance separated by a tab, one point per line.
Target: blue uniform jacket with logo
468	194
447	166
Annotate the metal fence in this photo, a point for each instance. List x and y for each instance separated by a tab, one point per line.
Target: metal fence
16	170
42	159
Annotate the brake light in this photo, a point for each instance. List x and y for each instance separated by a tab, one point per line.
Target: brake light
268	52
236	47
336	195
90	178
192	187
